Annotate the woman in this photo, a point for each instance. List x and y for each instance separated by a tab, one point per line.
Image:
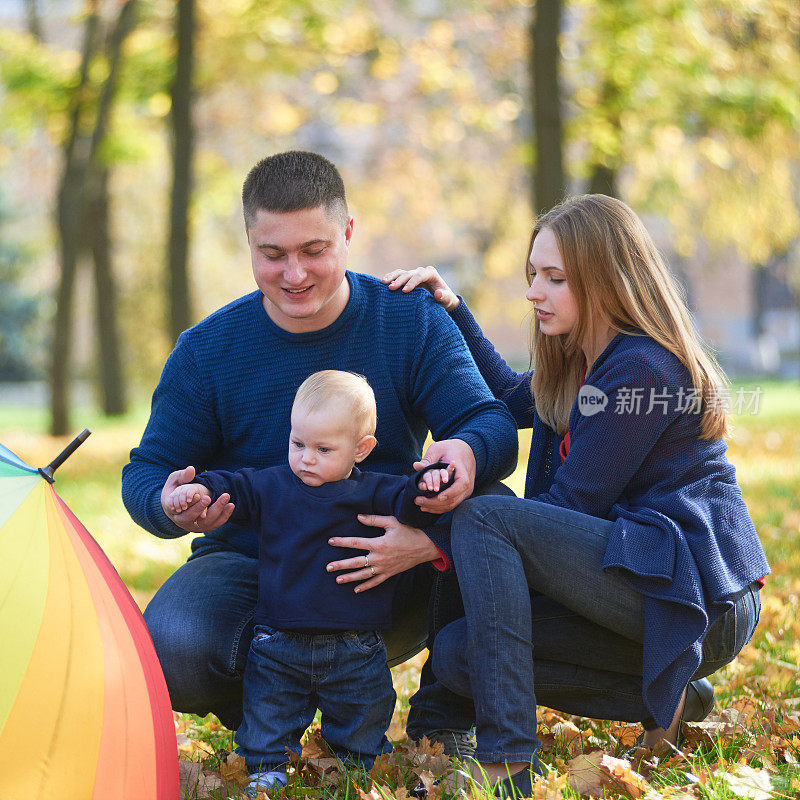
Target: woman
632	569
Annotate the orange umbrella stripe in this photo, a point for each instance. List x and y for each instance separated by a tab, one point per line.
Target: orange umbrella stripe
149	728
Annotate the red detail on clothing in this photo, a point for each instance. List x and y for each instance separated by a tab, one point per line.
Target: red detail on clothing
563	448
443	562
761	582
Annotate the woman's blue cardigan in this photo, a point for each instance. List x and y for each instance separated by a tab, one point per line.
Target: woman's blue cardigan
683	536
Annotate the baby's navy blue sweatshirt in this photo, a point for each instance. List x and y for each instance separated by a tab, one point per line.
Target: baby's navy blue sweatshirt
295	522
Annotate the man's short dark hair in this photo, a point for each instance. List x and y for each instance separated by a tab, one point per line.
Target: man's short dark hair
293	181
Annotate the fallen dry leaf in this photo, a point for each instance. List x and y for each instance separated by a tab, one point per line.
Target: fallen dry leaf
233	769
316	746
195	782
747	782
725	726
550	786
625	733
593	773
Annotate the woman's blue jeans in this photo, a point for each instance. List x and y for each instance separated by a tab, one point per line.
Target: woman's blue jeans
544	623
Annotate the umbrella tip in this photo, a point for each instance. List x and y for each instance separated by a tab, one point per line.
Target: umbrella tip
47	472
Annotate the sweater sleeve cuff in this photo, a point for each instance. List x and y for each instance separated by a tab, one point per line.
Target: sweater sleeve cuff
443	562
478	447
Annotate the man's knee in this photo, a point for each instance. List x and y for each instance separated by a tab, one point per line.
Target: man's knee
450	658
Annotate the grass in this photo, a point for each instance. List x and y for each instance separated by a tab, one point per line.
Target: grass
764	681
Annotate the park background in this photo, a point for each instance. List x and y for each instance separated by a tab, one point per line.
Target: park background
127	128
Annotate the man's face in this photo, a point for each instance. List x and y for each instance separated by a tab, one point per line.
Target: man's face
299	260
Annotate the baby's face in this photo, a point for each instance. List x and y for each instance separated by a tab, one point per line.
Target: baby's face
322	446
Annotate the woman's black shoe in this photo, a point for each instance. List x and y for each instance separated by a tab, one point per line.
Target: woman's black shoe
698	705
699	701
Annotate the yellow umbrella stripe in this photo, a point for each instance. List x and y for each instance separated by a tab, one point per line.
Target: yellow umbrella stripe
125	768
24	553
53	729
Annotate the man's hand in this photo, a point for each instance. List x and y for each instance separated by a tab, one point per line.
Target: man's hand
400	548
458	453
201	515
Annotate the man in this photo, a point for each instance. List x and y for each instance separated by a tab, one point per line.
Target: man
223	402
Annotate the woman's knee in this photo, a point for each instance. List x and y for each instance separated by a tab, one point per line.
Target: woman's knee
478	518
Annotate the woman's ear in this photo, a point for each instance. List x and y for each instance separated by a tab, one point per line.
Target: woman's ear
365	446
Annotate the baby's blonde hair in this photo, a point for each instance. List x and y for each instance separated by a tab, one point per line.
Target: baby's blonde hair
348	390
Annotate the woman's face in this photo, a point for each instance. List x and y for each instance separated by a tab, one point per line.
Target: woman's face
555	305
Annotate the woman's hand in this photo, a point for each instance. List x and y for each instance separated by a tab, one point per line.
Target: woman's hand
400	548
426	277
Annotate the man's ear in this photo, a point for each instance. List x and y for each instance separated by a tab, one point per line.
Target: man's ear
364	447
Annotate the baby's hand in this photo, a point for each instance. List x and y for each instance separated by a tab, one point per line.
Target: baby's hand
433	480
184	496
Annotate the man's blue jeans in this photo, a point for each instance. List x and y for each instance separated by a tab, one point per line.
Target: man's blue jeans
201	621
542	614
289	675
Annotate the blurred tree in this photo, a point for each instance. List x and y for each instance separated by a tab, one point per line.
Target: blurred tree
34	21
179	303
698	102
549	183
83	184
20	351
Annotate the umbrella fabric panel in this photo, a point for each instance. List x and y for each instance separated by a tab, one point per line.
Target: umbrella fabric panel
138	752
8	458
51	739
13	491
24	557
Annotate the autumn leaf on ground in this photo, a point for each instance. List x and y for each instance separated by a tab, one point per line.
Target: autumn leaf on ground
195	782
550	786
747	782
625	733
429	748
385	769
316	746
233	769
593	773
725	725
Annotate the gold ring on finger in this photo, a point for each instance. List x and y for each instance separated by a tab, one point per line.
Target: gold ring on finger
371	571
366	561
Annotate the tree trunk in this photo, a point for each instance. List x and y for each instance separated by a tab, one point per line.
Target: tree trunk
603	180
69	215
109	361
180	310
34	21
545	61
80	156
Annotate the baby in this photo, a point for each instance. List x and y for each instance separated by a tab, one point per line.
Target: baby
317	643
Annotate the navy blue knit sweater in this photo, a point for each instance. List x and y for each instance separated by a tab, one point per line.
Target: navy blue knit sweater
224	398
295	522
683	536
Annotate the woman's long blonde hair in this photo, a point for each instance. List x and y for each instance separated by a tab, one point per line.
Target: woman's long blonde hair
617	277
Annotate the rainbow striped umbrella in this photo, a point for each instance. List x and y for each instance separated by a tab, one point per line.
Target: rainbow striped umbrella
84	709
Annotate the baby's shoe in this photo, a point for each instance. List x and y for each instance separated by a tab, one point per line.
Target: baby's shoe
265	782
